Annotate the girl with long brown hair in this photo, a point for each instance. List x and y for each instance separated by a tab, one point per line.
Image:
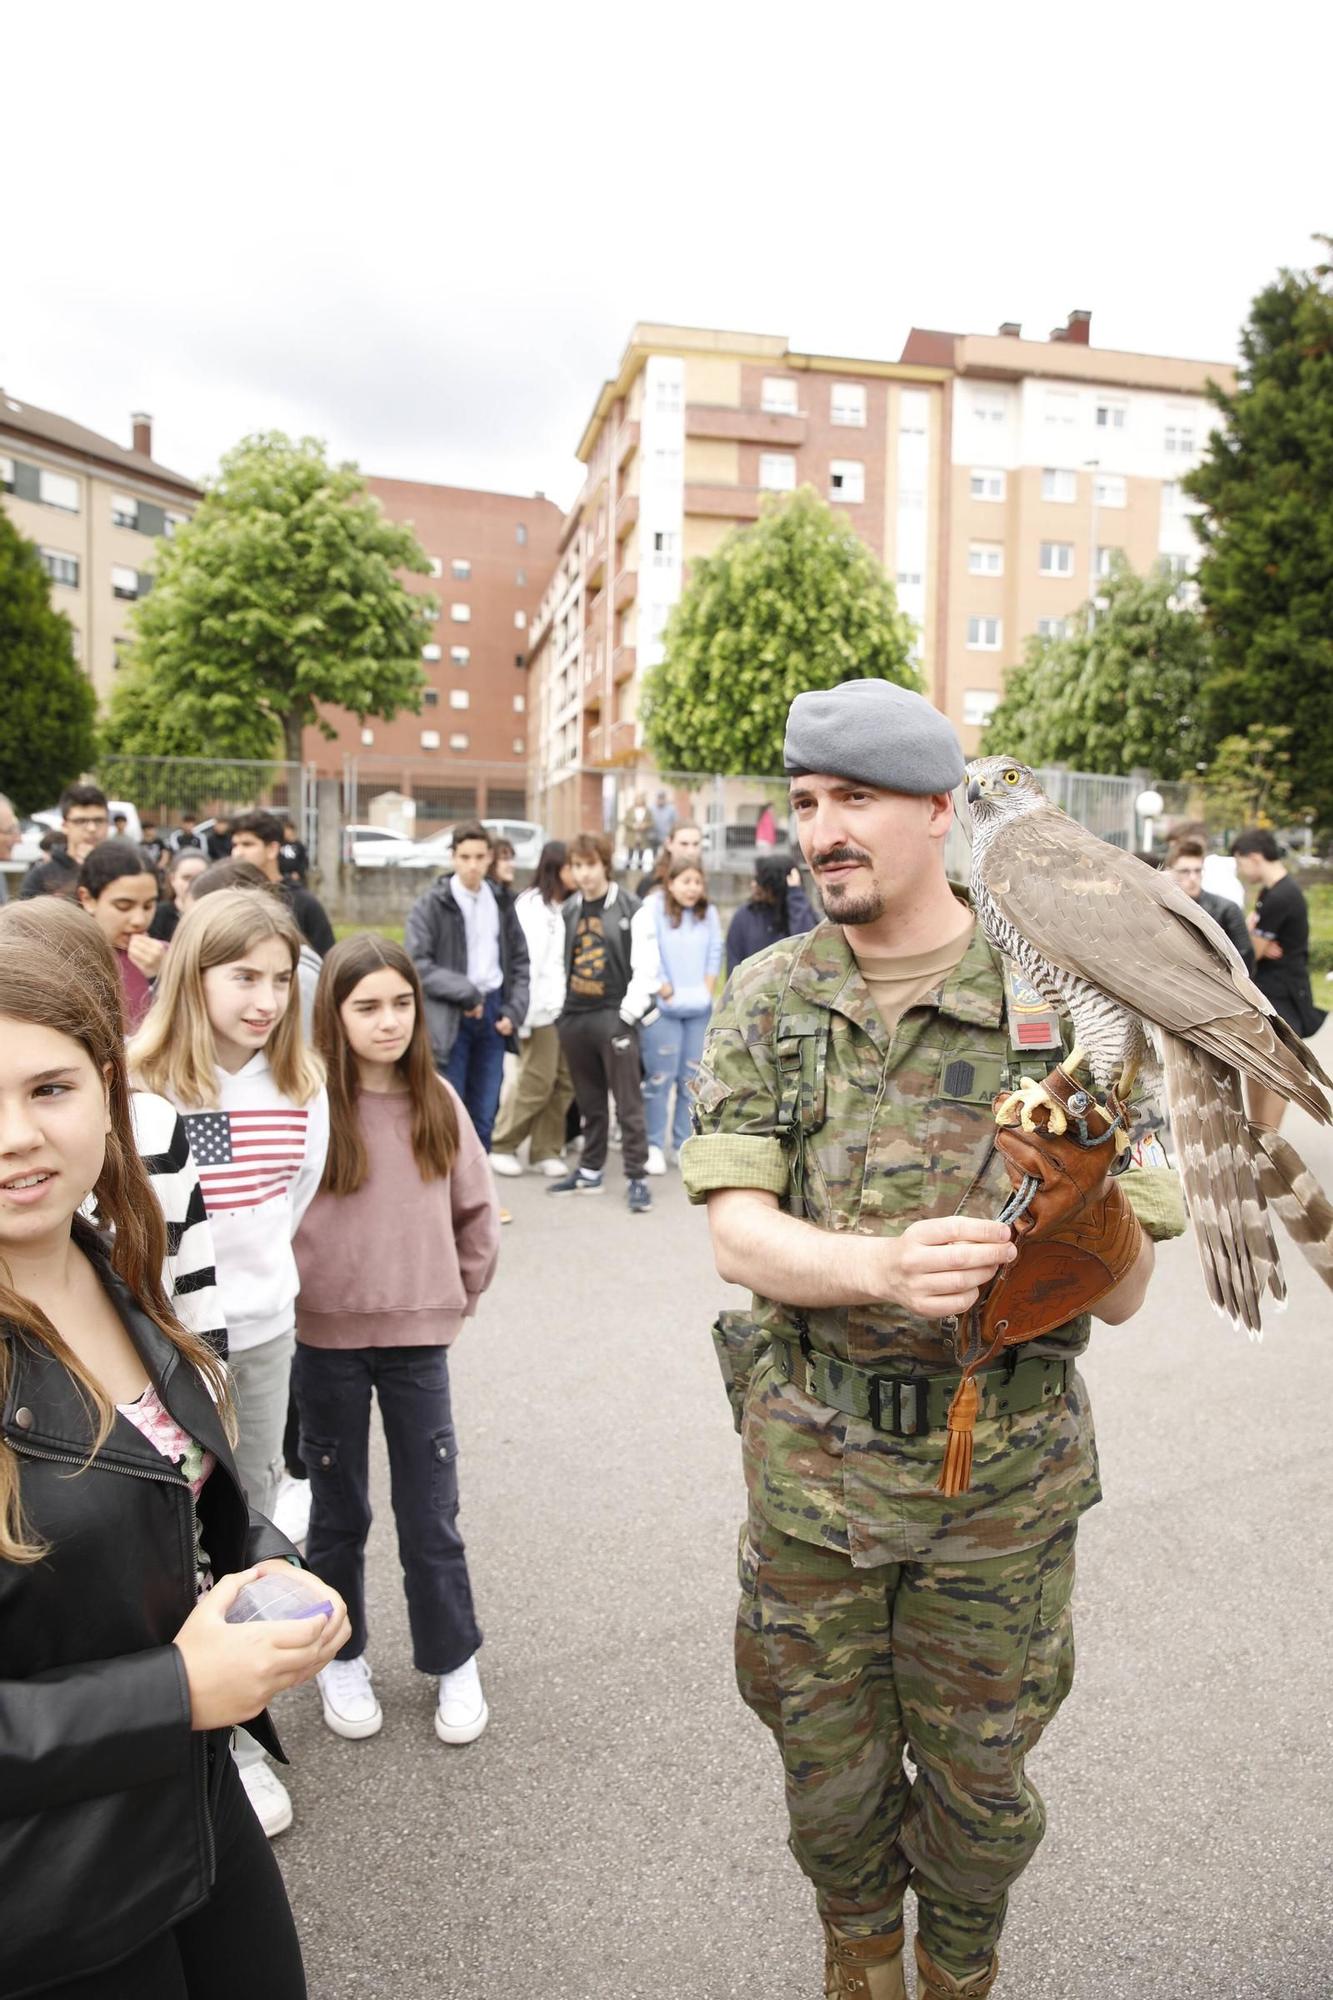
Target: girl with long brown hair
222	1042
394	1253
130	1858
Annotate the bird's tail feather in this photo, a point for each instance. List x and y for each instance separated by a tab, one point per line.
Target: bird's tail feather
1290	1188
1221	1166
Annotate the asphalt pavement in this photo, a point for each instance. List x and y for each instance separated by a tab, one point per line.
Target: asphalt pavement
619	1834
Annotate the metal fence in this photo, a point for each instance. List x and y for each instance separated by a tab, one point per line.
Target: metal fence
418	798
166	787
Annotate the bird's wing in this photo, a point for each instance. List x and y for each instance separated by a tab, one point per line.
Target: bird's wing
1100	914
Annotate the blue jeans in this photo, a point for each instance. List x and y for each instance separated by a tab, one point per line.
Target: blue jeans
333	1389
672	1046
476	1067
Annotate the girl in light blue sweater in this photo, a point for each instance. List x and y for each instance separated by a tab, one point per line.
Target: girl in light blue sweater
679	921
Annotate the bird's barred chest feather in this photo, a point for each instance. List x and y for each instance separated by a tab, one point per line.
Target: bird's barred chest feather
1106	1032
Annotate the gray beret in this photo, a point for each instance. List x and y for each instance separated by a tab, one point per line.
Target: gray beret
876	732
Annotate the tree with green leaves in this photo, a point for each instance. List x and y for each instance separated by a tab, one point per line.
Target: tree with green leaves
797	601
281	593
46	700
1119	694
1248	782
1266	576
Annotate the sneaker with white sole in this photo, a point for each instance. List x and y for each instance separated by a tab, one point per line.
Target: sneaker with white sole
554	1168
581	1181
350	1707
268	1795
291	1509
462	1713
656	1161
507	1164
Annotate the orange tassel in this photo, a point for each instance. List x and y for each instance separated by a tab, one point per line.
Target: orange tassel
956	1474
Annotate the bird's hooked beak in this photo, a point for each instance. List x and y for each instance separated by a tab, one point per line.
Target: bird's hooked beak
973	792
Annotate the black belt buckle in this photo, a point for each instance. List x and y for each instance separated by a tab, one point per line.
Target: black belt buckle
901	1394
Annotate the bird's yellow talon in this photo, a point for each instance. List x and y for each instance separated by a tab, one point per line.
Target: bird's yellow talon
1018	1108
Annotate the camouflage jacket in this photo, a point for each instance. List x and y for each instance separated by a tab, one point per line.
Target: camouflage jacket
803	1092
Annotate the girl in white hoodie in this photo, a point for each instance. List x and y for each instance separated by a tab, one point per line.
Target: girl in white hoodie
544	1091
222	1042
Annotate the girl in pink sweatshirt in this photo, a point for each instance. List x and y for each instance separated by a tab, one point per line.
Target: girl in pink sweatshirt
394	1253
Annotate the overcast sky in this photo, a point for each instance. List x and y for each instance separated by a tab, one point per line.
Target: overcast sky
423	233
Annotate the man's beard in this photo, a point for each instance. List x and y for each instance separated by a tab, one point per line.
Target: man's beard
844	904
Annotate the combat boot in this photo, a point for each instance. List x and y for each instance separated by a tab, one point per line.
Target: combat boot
937	1984
863	1968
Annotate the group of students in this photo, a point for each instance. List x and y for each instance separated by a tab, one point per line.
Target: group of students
133	1721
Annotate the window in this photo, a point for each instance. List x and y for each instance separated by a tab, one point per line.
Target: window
1052	628
520	659
459	698
988	409
459	655
436	565
777	471
124	511
521	535
124	582
1179	439
778	396
979	705
458	742
986	485
983	635
664	548
520	703
431	652
170	523
431	698
1057	558
908	578
6	475
430	739
61	568
1108	489
520	621
521	579
1058	483
1171	493
518	746
1108	559
847	404
1110	415
985	558
913	410
1061	408
55	490
847	480
461	568
1175	565
461	613
367	738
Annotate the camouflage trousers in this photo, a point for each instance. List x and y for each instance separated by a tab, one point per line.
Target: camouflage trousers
955	1667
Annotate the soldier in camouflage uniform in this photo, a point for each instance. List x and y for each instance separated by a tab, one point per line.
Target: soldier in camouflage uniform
851	1173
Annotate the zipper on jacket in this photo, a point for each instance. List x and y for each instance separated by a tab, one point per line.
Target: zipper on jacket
106	1464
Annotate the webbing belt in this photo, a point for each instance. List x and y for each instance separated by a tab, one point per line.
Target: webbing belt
912	1405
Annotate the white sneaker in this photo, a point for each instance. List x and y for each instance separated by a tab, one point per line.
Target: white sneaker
554	1168
268	1795
507	1164
462	1713
291	1509
656	1161
350	1707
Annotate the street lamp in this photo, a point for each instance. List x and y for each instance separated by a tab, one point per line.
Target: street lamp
1148	806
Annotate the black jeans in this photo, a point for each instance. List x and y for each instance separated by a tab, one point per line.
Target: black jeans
243	1940
603	1054
333	1389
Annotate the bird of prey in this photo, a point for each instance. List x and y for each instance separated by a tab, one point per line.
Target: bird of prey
1155	991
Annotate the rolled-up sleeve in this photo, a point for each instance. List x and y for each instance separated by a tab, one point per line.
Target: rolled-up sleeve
736	1142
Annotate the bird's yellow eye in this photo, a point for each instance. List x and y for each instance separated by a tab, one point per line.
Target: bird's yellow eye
1010	777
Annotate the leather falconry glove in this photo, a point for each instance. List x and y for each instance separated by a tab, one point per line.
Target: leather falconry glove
1077	1237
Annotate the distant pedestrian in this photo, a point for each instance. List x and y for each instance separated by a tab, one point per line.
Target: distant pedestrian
9	833
1185	860
638	831
609	978
183	869
1280	929
468	947
186	834
777	908
118	889
503	868
766	830
544	1091
394	1253
664	819
151	841
84	821
217	841
685	843
679	924
256	837
293	856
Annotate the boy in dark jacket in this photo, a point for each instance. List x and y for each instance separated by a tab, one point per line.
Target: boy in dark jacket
469	948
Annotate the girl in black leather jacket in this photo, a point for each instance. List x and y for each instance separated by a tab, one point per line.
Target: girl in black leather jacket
131	1861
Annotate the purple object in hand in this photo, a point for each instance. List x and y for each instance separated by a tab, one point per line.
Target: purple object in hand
290	1596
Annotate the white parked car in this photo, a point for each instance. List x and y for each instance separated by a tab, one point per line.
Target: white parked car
376	846
525	837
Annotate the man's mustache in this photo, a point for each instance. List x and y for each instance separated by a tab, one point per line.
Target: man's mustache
832	855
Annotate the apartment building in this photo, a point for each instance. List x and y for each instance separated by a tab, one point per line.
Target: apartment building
1062	457
491	556
93	508
680	448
